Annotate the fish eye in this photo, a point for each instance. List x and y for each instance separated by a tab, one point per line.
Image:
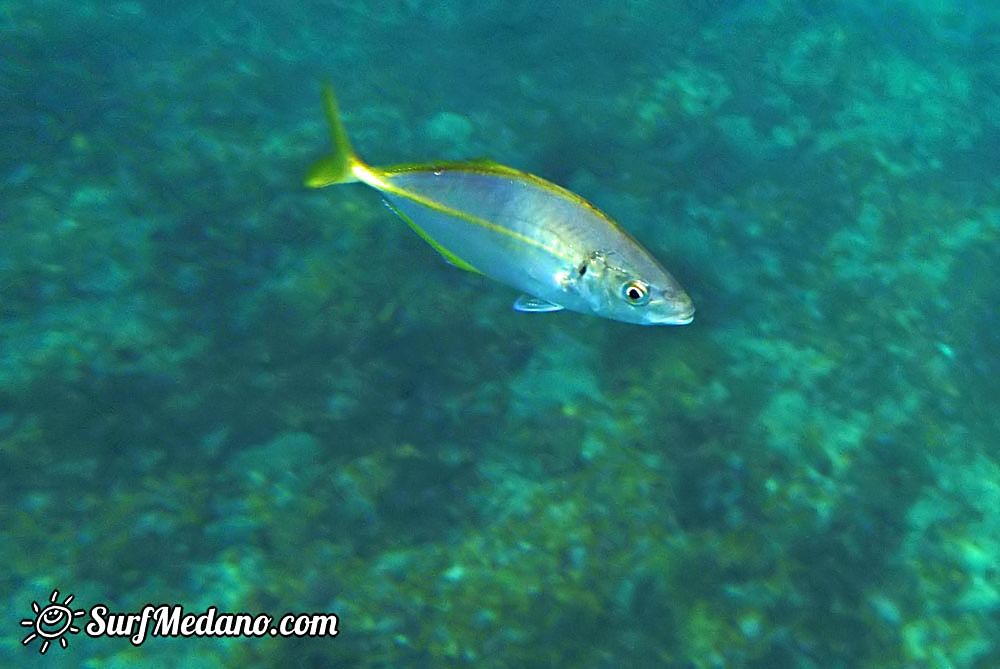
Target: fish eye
635	293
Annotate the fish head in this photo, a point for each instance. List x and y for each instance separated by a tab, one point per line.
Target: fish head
633	290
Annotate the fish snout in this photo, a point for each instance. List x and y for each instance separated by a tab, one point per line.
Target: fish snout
681	307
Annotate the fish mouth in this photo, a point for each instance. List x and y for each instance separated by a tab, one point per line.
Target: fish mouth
679	318
682	315
685	318
682	318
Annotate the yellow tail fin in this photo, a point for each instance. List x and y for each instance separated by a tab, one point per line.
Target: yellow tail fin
338	166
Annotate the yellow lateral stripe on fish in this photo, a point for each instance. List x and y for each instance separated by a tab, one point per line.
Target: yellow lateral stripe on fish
486	166
445	253
374	179
518	229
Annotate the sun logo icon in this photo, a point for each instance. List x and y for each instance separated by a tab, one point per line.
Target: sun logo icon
51	622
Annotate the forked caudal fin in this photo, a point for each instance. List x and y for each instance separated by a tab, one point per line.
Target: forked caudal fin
336	167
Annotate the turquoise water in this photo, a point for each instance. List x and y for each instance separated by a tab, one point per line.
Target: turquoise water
219	388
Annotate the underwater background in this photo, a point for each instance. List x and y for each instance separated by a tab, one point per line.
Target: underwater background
219	388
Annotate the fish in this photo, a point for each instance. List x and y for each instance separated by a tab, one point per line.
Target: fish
553	246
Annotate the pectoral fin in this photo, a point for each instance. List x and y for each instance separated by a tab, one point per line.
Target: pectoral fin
535	305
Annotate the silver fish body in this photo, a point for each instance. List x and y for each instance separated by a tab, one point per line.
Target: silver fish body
532	235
